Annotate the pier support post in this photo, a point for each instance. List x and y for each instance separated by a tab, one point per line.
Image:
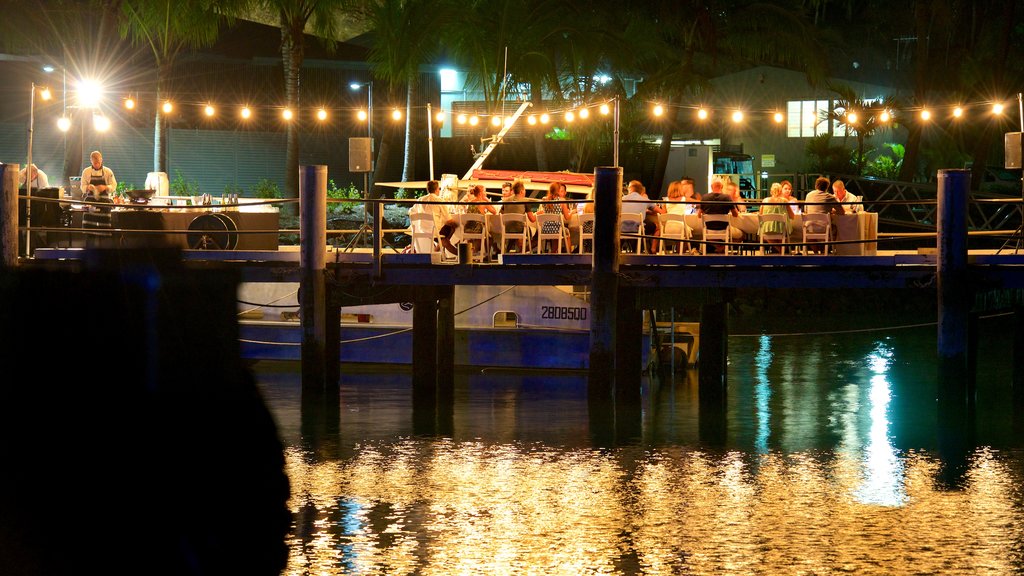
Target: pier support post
1018	356
629	350
332	341
953	301
604	283
446	342
312	262
8	215
714	350
424	349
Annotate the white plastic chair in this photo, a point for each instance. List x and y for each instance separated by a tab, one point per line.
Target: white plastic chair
673	227
479	223
523	235
586	231
421	224
550	227
494	229
763	235
708	235
817	228
632	221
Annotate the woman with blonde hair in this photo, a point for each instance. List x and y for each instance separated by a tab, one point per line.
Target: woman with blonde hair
776	203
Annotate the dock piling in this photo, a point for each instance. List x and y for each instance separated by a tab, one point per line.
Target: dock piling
951	275
9	215
604	283
312	286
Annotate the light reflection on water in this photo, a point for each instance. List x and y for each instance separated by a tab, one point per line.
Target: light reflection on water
827	457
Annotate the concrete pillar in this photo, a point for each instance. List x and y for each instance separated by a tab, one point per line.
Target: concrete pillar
332	341
1018	356
9	215
446	342
953	302
312	263
604	283
714	350
424	350
628	350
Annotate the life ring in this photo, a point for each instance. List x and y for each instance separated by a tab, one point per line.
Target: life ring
212	231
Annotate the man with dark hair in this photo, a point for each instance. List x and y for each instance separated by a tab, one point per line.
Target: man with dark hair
820	201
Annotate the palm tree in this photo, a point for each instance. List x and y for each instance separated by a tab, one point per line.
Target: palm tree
689	44
507	45
167	27
406	34
860	117
294	17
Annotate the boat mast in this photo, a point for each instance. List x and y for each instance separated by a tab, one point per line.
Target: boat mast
496	139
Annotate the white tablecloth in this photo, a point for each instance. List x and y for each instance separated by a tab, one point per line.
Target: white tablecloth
859	226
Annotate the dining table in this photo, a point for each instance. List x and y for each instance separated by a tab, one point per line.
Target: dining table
856	226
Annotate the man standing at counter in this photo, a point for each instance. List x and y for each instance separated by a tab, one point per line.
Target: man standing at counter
98	180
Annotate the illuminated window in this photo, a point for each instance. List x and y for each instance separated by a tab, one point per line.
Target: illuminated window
803	118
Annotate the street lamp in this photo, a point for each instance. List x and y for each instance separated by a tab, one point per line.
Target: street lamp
44	93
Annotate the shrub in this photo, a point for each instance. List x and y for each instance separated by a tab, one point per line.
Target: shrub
266	189
180	186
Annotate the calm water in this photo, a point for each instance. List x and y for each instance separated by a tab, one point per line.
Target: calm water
828	456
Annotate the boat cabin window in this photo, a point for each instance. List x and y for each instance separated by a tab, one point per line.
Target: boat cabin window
505	319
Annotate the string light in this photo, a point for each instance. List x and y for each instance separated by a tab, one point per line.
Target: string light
496	120
544	118
321	114
508	121
702	114
460	119
396	114
958	112
737	116
209	111
361	115
246	112
584	113
531	120
167	107
64	124
851	117
658	110
997	108
474	120
604	109
129	103
439	117
569	116
926	114
884	116
287	114
778	117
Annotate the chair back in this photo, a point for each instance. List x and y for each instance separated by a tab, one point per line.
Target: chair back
586	231
474	227
550	227
632	223
421	224
709	234
673	227
514	227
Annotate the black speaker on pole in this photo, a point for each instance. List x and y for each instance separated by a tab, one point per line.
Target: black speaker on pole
1012	144
360	154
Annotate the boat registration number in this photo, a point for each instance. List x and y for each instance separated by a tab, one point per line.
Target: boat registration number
563	313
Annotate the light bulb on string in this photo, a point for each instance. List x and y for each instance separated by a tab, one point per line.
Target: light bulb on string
584	113
702	114
604	109
209	110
